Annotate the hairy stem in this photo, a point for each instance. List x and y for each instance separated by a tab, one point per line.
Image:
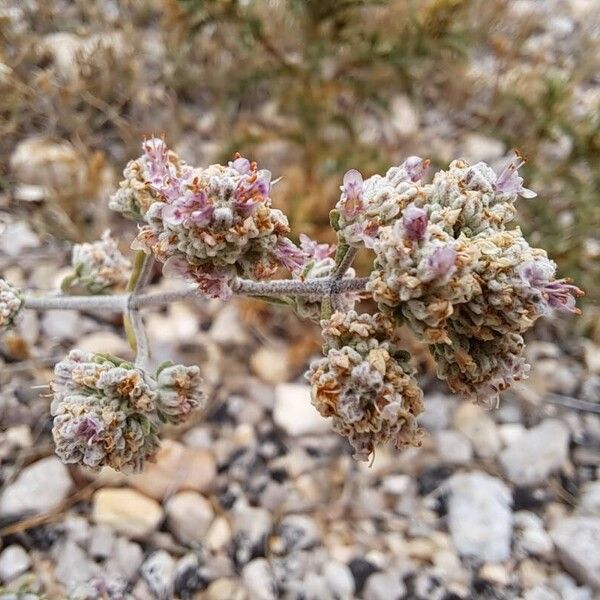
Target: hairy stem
241	287
344	258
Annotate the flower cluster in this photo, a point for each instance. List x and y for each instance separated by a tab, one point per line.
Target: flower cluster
210	225
366	205
447	265
98	266
107	412
145	177
11	303
318	263
365	384
178	392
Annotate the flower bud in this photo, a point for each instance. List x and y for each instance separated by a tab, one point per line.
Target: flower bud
11	303
98	266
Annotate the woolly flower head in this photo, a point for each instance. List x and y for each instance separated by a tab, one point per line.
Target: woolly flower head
210	225
11	303
145	177
178	392
365	205
365	384
318	263
107	412
447	265
421	272
481	369
98	266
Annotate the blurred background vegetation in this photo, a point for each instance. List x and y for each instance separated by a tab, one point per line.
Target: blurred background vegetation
309	89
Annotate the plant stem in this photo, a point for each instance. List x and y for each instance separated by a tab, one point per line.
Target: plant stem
241	287
344	258
142	266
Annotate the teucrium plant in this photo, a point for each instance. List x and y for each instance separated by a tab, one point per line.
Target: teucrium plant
447	263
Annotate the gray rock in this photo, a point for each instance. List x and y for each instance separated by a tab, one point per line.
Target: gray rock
397	485
589	499
39	488
102	541
251	527
477	425
453	447
404	119
568	589
314	587
577	540
298	532
294	413
158	570
189	516
126	560
438	412
479	516
73	567
480	147
339	580
540	451
258	578
384	586
541	592
61	324
13	562
531	537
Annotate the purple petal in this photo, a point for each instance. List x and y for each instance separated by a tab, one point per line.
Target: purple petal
414	220
441	262
177	267
241	165
313	249
416	167
351	199
289	254
510	183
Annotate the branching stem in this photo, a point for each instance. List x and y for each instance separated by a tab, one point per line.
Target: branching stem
241	287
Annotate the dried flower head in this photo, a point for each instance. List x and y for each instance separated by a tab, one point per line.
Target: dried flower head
178	392
481	369
104	413
420	279
107	412
209	225
98	266
11	303
365	384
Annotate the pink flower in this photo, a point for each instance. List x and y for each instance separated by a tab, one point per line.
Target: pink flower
213	282
177	267
289	254
415	222
163	176
252	189
559	294
89	429
441	263
509	182
314	250
416	167
240	164
351	201
193	206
